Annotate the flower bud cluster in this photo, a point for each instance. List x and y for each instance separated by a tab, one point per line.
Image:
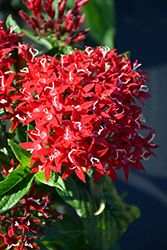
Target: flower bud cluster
84	109
65	28
15	226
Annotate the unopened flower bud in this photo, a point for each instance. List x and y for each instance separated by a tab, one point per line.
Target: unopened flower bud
23	15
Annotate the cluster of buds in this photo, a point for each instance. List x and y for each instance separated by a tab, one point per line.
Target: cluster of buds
64	29
84	110
15	228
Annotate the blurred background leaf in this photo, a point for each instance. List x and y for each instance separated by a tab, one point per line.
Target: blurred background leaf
101	19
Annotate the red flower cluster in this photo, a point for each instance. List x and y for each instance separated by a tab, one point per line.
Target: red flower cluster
7	44
16	226
65	28
84	110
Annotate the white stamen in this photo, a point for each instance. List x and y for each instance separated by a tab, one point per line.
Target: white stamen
51	157
136	66
119	150
70	51
130	159
3	101
49	116
150	141
69	154
31	199
88	51
27	96
94	105
119	113
92	159
37	96
45	110
24	70
67	135
34	53
125	66
43	62
141	119
105	168
10	170
40	168
16	224
37	147
122	81
53	91
12	28
114	98
78	124
8	72
76	107
144	88
100	130
146	159
62	61
36	110
107	66
20	118
2	82
38	133
26	244
28	222
43	135
12	245
104	50
72	168
28	113
70	76
56	153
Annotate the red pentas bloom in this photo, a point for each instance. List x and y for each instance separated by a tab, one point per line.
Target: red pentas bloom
65	28
15	227
85	112
6	171
7	43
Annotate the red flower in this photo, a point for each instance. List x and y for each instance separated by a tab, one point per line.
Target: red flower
30	201
28	244
11	242
24	223
85	113
6	171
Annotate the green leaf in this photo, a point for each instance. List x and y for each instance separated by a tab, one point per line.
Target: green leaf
103	213
70	193
11	22
128	53
68	227
16	192
19	134
100	18
13	178
42	246
21	154
43	41
29	127
4	159
54	181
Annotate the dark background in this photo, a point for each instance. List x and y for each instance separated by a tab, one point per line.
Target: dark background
142	29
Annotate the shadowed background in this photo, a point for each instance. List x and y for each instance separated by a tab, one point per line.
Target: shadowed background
142	29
